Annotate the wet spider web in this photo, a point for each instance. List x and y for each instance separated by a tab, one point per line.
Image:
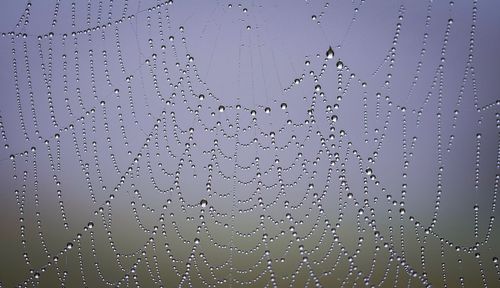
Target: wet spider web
261	144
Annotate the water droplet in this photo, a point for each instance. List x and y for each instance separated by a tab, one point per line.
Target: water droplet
340	64
203	203
329	53
222	108
283	106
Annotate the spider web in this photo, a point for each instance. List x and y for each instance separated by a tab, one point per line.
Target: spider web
263	144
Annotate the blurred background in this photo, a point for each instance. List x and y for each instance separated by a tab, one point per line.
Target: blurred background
253	143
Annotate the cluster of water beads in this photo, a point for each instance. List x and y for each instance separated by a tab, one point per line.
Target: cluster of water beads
323	155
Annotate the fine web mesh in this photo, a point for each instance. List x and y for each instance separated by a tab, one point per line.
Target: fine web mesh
249	144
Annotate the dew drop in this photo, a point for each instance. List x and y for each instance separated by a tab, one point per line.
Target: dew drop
203	203
329	53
